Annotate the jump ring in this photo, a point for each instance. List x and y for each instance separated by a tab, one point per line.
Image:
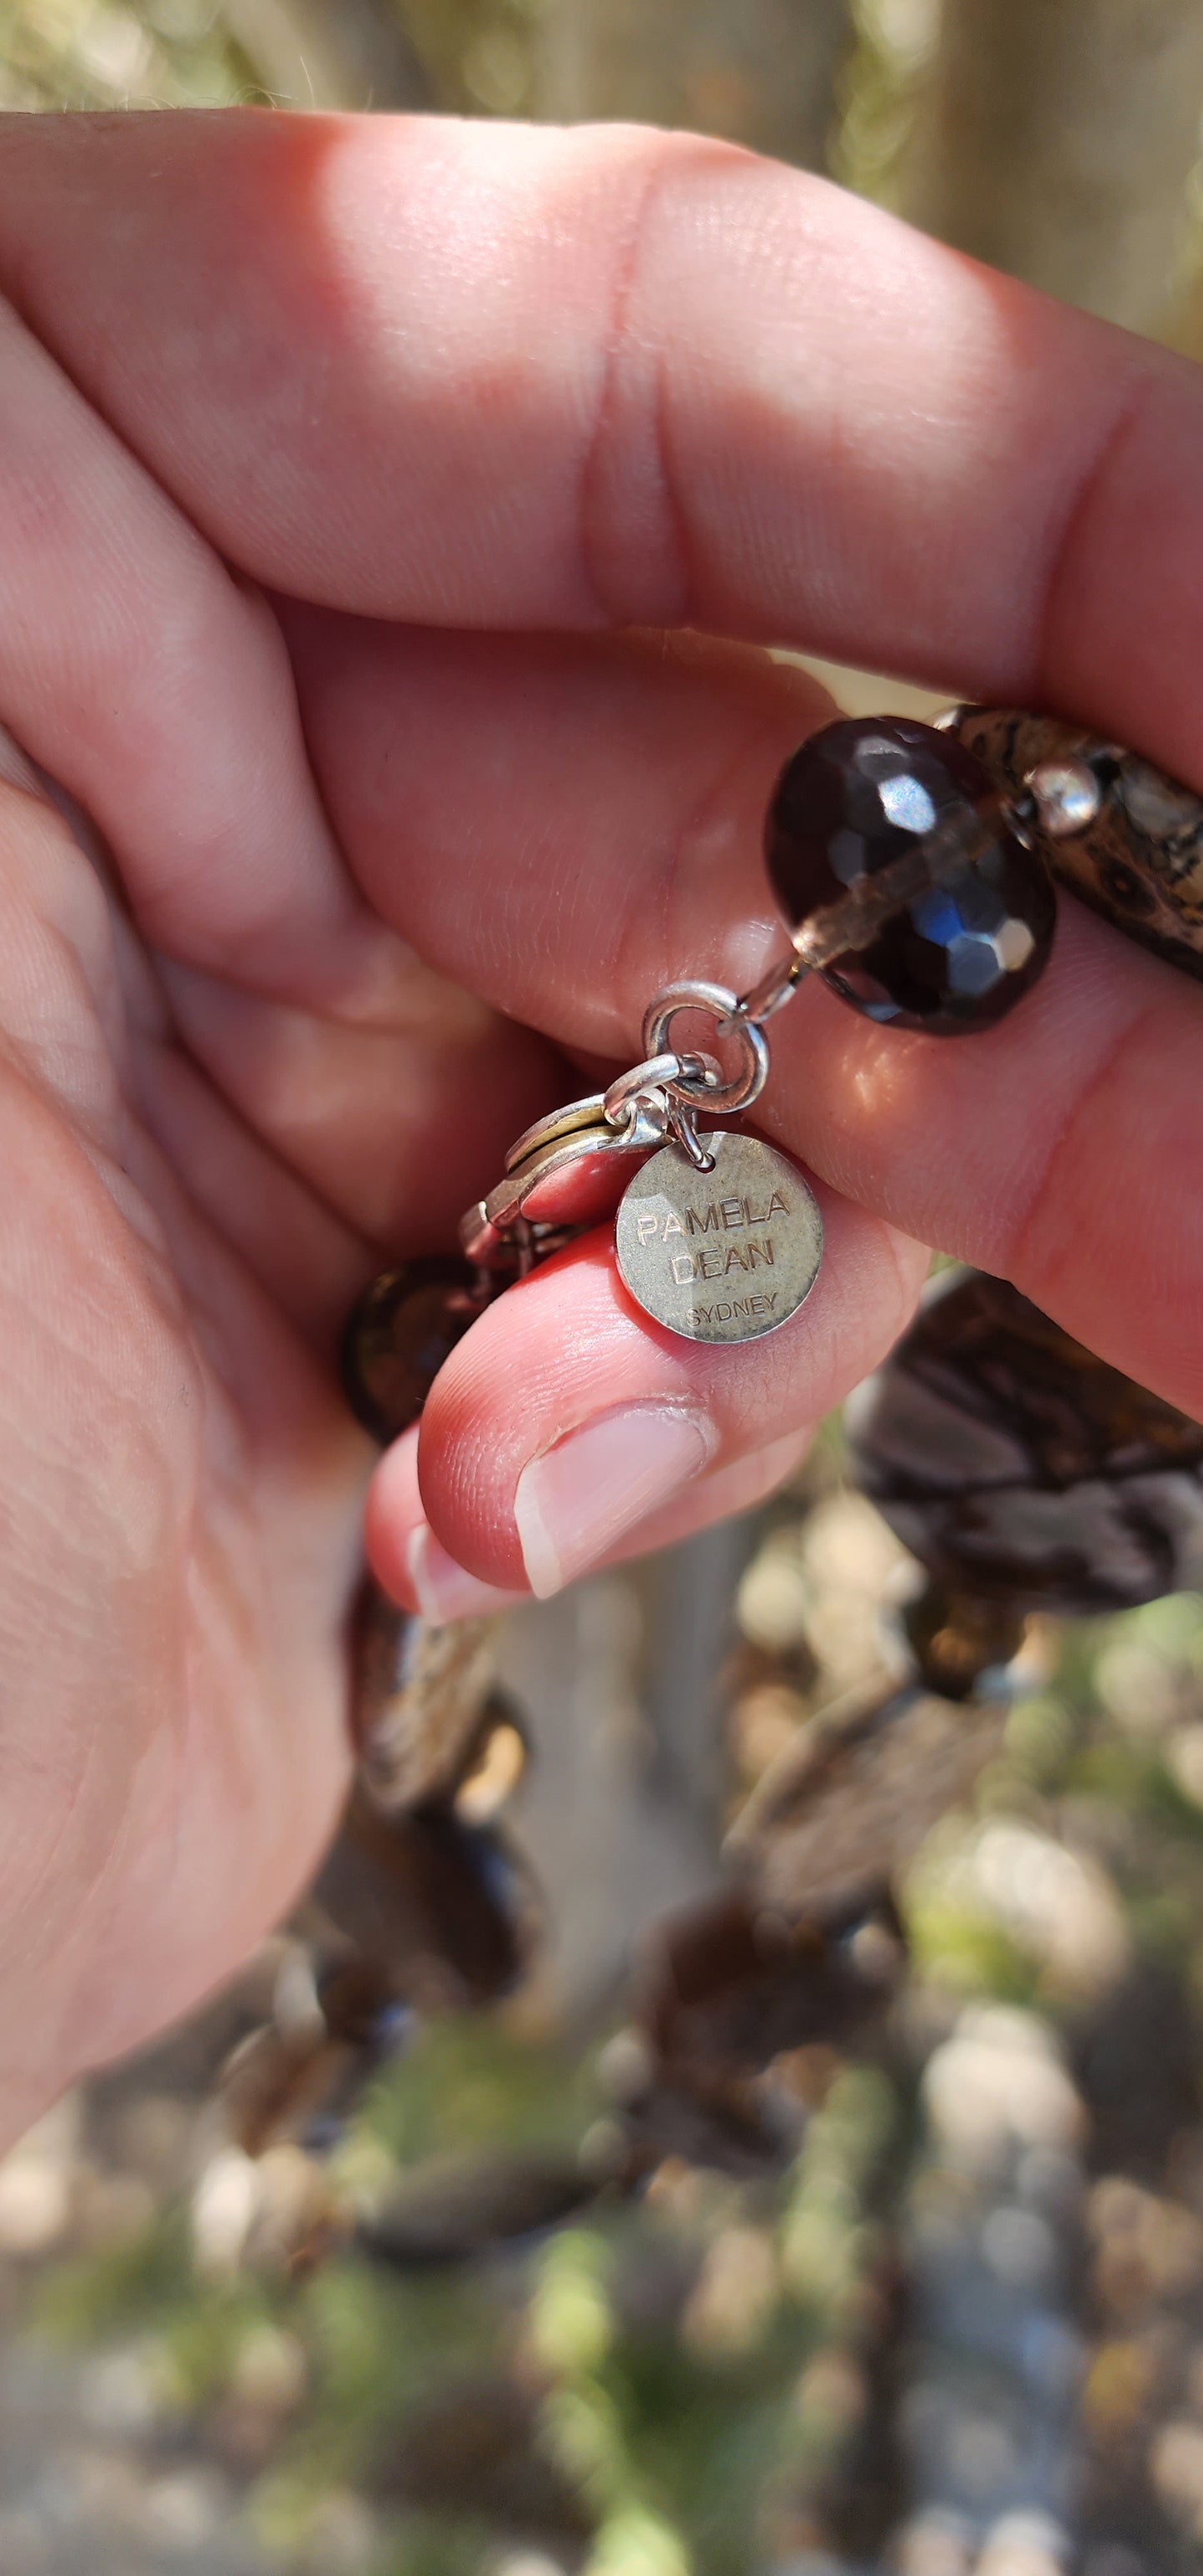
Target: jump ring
658	1073
748	1083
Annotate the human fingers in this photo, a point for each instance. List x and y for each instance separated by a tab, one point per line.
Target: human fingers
599	834
417	1570
463	373
154	687
182	1498
504	799
393	1119
1015	526
564	1423
158	691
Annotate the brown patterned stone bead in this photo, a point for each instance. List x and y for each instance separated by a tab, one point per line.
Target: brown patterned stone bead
449	1911
458	2209
303	2082
398	1335
1018	1467
1140	862
730	1984
420	1700
839	1815
956	1637
726	1995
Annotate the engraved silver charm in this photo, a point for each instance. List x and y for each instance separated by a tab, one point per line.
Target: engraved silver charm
720	1256
718	1237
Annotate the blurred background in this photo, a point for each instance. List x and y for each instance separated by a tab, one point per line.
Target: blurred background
902	2267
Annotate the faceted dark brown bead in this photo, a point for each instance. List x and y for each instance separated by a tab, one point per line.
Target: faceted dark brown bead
861	794
398	1335
1017	1466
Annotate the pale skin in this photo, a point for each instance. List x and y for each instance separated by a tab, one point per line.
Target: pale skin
394	516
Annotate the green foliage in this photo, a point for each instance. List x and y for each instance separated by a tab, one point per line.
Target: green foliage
881	87
138	2281
148	2284
667	2413
969	1953
112	53
467	2083
426	2545
680	2357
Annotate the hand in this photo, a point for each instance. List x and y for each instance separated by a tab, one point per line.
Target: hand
368	492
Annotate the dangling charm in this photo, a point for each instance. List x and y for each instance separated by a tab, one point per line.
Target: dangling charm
722	1256
912	863
718	1236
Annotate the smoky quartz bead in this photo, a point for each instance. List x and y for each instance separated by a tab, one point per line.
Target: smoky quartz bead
865	792
398	1335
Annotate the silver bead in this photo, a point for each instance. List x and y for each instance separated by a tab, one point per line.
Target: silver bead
1067	796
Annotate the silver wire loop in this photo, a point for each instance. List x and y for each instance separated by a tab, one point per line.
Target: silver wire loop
723	1007
683	1127
775	988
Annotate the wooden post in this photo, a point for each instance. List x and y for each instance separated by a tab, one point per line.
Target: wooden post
762	72
308	54
1056	140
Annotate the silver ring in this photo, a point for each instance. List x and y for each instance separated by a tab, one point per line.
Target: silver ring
659	1073
751	1041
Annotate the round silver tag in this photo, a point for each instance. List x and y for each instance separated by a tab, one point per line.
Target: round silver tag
719	1256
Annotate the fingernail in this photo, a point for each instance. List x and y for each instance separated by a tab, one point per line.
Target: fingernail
444	1591
578	1498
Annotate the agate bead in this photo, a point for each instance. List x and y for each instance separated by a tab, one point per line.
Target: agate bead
1020	1469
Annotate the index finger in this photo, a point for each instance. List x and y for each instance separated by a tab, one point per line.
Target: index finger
458	373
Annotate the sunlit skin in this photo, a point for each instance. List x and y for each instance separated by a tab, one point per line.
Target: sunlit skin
339	465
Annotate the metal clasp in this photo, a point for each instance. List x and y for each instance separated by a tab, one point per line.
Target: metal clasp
562	1174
